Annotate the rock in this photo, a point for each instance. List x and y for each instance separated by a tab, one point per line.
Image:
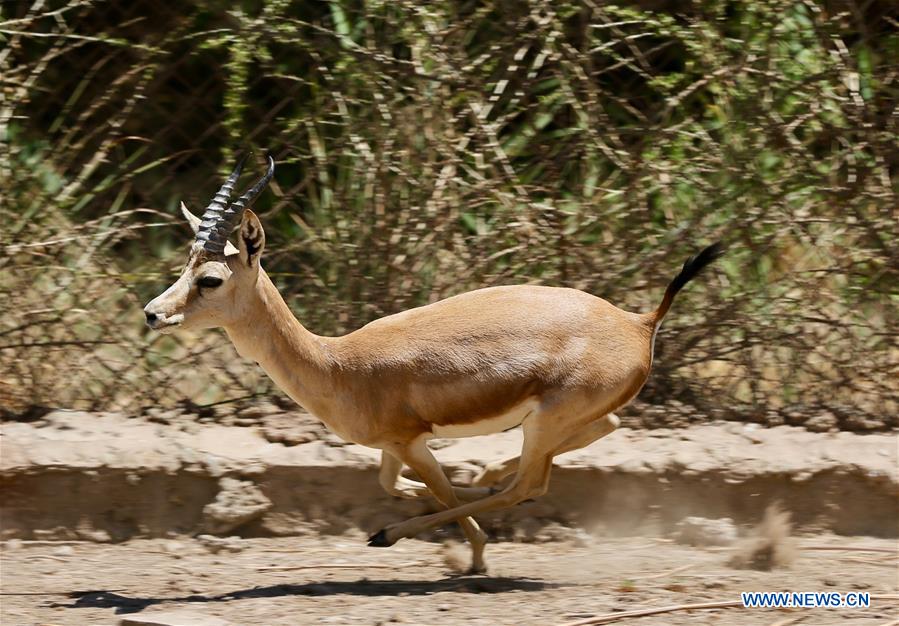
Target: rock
64	551
463	473
220	412
701	531
162	416
583	539
214	465
557	532
175	548
54	534
237	502
13	544
217	544
858	422
172	618
257	411
290	429
822	422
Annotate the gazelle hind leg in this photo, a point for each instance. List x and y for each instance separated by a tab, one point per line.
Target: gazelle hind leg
396	485
584	436
419	457
531	480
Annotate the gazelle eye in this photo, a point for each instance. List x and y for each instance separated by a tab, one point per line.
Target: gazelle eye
209	281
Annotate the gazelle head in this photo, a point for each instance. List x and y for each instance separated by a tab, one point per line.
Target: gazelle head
217	283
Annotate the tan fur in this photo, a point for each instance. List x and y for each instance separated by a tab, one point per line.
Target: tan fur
567	357
383	384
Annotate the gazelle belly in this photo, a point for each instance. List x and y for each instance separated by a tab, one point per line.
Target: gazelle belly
490	425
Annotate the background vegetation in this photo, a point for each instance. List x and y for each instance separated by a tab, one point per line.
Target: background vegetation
425	149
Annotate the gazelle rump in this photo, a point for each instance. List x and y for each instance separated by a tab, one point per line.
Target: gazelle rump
556	361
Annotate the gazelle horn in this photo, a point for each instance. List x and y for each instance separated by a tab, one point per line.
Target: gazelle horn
219	220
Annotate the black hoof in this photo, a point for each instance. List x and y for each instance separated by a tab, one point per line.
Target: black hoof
379	540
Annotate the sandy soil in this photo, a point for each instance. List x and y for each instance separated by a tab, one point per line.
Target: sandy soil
108	477
144	491
337	580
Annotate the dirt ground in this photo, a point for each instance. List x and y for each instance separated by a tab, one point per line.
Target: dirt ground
144	491
337	580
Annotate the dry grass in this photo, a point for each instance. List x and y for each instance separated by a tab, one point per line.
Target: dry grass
426	152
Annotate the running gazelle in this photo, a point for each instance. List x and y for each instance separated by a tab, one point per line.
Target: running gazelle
556	361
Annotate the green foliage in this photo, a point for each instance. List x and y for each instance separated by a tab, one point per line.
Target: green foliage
428	148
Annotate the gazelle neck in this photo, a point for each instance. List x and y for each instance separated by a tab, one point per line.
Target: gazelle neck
294	358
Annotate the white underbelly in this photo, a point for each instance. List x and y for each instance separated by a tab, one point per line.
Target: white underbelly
495	424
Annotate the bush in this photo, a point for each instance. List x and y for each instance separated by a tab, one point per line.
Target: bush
428	149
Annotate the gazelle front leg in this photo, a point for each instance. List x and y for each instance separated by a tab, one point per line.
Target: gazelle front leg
396	485
419	457
532	480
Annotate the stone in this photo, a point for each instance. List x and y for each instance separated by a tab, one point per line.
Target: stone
858	422
214	465
217	544
175	548
237	502
822	422
702	531
258	411
463	473
554	531
290	429
13	544
172	618
162	416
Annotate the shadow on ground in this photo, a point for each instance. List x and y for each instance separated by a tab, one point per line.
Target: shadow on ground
364	587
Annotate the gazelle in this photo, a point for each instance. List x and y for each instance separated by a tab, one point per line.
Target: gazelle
556	361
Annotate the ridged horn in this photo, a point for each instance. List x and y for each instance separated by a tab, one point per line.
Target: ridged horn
207	233
219	221
241	204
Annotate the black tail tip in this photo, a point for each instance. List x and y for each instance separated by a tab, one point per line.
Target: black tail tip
712	252
694	265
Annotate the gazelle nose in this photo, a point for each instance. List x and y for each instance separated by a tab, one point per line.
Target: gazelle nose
151	317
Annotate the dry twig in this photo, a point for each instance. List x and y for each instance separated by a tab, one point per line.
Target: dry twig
664	574
614	617
291	568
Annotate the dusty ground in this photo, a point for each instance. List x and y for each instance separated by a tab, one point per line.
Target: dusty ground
339	581
143	491
105	477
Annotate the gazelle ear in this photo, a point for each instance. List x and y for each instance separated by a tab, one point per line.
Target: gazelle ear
192	219
251	239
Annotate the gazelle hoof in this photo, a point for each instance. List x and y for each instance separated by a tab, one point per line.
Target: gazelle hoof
379	540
